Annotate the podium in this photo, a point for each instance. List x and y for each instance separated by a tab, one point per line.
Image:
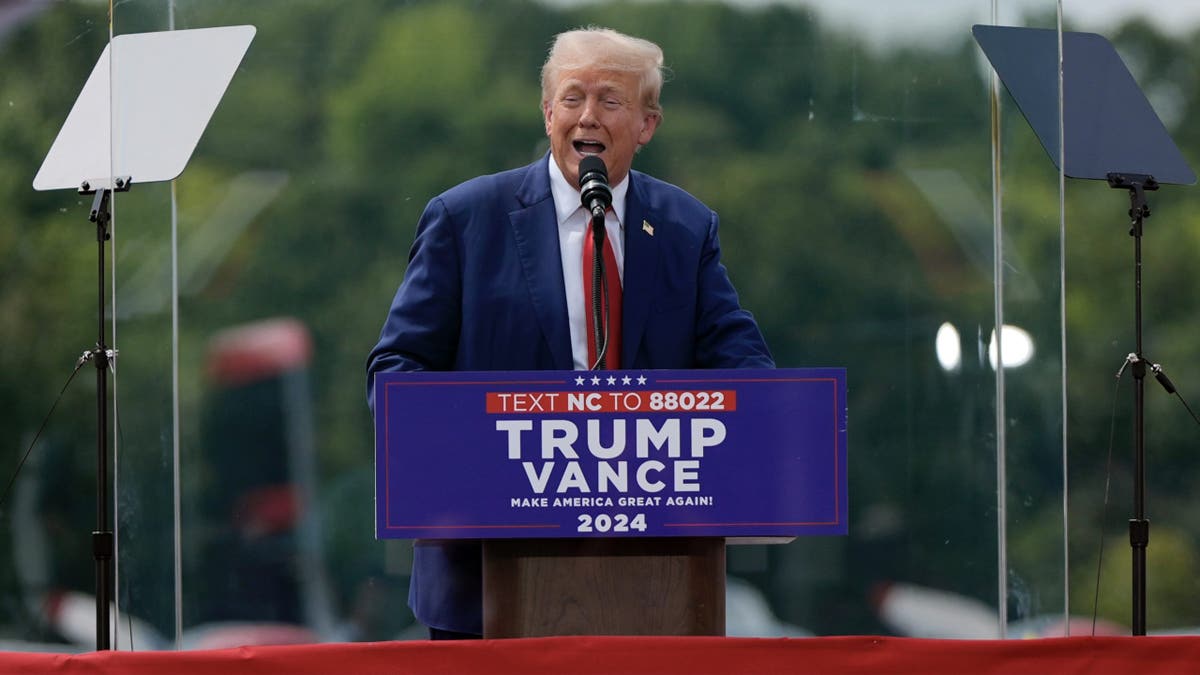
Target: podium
651	586
605	504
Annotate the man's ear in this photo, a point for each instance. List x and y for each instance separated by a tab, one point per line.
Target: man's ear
649	126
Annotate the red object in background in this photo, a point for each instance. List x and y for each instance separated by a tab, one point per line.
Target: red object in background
257	555
267	510
258	350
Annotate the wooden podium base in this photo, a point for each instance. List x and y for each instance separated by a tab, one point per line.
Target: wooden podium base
650	586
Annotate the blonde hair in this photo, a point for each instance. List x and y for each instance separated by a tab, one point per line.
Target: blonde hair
595	47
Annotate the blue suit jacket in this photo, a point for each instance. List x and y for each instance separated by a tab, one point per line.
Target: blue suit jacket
484	291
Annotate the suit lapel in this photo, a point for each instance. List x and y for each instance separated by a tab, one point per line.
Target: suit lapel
641	268
536	234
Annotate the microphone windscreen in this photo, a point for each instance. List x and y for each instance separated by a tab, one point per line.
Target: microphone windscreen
592	164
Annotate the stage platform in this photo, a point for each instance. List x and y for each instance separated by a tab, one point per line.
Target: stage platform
588	655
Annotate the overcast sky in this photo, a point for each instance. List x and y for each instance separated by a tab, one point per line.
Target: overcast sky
881	17
890	21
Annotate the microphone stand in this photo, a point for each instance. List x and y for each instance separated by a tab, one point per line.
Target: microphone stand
599	324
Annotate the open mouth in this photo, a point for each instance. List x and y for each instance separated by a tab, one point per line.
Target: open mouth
588	147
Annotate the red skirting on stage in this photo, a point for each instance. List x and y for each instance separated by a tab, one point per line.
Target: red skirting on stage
585	655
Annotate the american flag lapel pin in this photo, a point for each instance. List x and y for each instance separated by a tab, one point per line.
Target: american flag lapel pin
647	228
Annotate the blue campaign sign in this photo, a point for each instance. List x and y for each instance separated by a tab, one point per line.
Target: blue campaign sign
703	453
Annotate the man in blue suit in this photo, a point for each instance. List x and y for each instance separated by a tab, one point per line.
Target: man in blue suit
495	276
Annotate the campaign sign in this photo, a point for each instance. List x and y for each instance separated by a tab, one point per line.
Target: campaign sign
698	453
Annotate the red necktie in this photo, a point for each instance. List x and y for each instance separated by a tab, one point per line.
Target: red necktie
612	279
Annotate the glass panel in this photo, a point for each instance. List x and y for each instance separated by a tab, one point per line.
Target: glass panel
144	399
874	131
1031	344
273	550
144	388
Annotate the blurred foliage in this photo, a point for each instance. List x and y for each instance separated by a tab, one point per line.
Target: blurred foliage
855	189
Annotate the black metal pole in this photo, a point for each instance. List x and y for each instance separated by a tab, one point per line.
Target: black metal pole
1139	526
102	537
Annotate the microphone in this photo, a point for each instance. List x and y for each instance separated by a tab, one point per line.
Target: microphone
593	186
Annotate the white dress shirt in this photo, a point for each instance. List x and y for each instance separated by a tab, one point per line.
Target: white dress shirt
573	222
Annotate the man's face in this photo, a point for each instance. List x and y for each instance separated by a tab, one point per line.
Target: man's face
597	112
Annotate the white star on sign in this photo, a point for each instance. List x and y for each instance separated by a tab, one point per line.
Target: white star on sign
579	381
626	380
611	380
595	380
641	379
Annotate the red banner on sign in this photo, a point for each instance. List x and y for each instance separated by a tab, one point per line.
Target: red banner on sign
557	402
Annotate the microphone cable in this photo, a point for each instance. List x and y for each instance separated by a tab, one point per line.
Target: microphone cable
1112	430
46	420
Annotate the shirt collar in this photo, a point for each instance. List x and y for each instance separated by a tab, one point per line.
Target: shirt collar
567	199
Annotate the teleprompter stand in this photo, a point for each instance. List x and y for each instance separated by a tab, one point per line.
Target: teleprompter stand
1139	527
1109	132
141	112
101	357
